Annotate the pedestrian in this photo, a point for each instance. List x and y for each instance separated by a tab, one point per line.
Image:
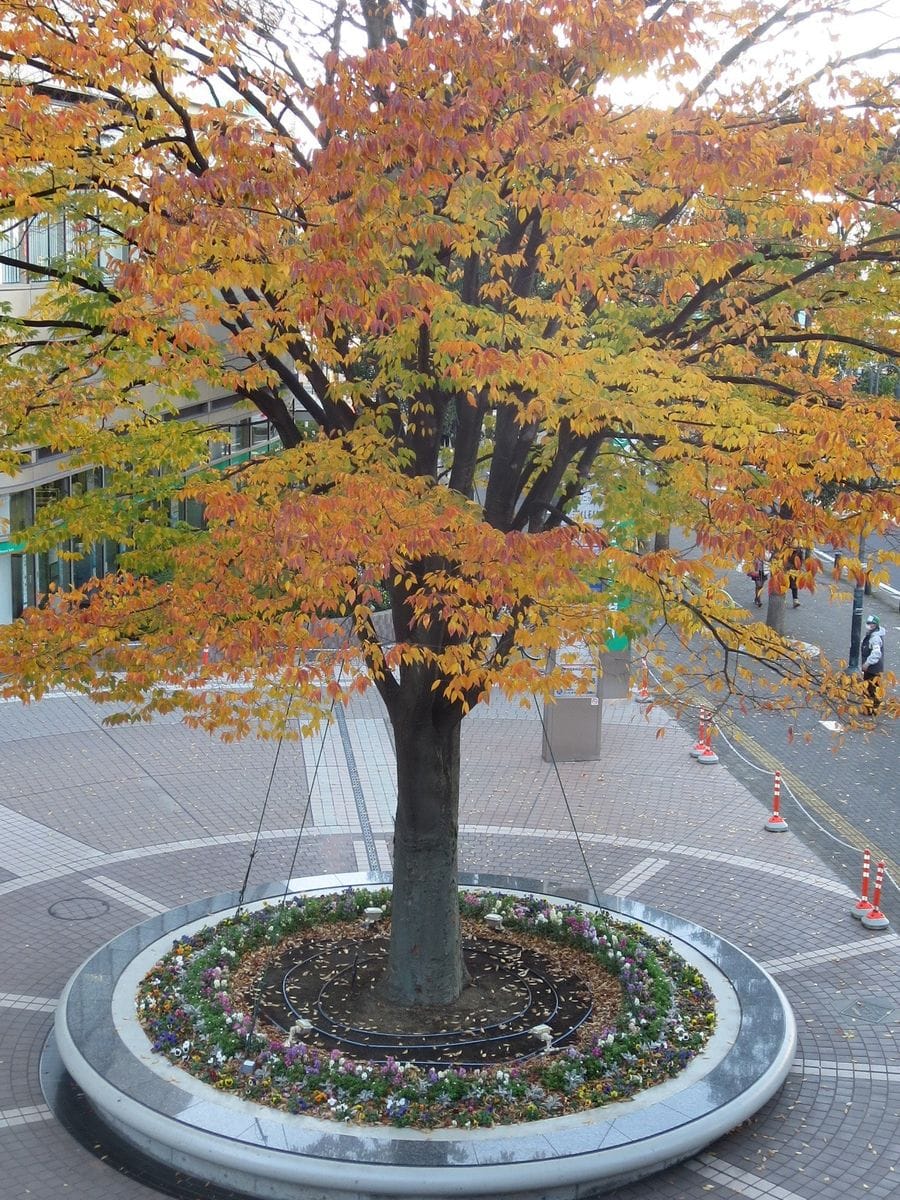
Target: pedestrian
871	657
759	575
795	564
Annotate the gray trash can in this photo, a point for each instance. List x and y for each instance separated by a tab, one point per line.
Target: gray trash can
615	682
573	723
572	727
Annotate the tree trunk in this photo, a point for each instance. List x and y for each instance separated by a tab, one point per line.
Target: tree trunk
425	964
775	611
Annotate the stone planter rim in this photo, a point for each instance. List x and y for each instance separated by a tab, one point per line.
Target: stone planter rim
192	1126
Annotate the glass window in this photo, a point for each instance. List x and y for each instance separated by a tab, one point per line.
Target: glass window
240	435
50	569
57	240
40	240
49	492
191	512
89	566
86	481
261	432
13	243
21	510
22	571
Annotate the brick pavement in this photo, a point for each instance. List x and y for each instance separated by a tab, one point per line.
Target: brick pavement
101	827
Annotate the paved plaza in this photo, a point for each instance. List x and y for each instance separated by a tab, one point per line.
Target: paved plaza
101	827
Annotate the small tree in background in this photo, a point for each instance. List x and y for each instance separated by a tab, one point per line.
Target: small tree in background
469	275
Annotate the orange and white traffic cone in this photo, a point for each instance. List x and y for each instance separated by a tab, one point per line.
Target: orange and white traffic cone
700	744
863	904
707	755
875	918
776	823
642	695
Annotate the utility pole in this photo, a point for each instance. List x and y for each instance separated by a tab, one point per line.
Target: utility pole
859	592
864	588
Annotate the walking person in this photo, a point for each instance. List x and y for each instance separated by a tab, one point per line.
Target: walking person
794	564
759	575
871	658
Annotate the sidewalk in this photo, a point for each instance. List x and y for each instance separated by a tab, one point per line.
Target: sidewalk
101	828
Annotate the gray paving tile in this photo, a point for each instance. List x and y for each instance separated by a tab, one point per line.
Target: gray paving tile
159	814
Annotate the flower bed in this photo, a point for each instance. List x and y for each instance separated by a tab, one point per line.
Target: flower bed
666	1016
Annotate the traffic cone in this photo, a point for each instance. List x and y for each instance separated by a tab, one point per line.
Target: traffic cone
776	823
698	746
875	918
863	904
642	696
707	755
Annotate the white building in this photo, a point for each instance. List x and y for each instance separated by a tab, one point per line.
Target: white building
48	476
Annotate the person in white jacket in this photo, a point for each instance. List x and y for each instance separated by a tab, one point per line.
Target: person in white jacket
871	657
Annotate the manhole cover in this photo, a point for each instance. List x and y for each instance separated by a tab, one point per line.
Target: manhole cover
78	908
870	1010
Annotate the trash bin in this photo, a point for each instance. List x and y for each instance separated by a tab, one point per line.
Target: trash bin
615	682
572	724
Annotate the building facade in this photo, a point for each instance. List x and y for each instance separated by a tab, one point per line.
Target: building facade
48	476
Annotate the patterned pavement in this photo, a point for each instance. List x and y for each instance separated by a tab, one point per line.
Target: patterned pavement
100	828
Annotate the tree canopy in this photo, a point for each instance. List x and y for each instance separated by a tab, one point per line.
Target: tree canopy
477	266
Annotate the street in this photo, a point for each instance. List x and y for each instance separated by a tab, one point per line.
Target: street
840	789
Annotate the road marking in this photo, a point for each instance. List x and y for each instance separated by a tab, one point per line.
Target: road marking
796	962
27	1003
126	895
28	848
862	1071
812	799
807	878
631	880
384	855
25	1115
748	1184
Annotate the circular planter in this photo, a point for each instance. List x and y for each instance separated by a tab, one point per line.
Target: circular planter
192	1127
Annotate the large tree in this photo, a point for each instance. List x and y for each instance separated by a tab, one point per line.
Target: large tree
472	265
